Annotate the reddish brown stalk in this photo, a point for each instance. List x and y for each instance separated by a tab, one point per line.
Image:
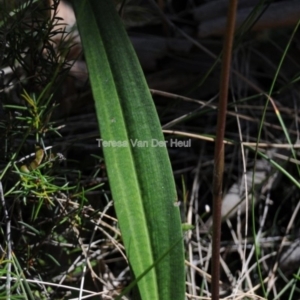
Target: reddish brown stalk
219	148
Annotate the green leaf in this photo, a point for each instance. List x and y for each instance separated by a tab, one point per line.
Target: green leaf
187	227
141	178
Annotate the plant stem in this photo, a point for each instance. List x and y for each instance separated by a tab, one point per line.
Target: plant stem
219	148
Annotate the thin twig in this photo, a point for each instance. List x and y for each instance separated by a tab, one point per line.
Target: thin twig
8	241
219	148
278	15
